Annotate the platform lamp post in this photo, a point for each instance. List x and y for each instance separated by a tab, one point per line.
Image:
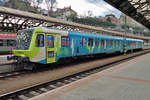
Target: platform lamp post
125	33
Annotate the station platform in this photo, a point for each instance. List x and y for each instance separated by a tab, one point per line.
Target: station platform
127	81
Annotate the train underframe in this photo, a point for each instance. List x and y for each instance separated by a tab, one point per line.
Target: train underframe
22	62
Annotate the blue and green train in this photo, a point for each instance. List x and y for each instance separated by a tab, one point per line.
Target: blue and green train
45	46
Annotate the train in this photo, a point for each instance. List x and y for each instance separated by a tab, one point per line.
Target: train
7	42
45	46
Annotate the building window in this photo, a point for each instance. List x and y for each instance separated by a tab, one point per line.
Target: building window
90	42
40	40
50	41
1	42
65	41
82	41
97	42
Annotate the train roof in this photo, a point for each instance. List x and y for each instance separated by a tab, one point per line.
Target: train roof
102	36
94	35
130	39
50	30
3	36
65	33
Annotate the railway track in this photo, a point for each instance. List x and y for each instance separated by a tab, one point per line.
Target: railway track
34	90
12	74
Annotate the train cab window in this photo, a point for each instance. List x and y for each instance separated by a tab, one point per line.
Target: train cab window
90	42
50	41
102	42
83	41
1	42
97	42
65	41
40	40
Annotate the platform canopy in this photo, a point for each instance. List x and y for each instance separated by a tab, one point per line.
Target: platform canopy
14	20
139	10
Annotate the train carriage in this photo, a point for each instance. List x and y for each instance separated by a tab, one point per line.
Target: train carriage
7	42
43	45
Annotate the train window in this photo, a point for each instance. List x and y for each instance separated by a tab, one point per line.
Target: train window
137	44
97	42
50	41
121	44
111	42
65	41
50	54
102	42
115	43
107	43
10	42
82	41
118	43
1	43
40	40
90	42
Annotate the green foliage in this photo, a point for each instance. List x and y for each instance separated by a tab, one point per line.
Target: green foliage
93	22
125	26
135	30
21	5
147	33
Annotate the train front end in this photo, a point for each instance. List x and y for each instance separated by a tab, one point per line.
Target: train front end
22	52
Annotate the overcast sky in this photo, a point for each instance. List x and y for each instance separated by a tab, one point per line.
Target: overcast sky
101	8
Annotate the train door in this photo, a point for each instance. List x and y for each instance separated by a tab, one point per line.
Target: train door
105	44
77	43
50	48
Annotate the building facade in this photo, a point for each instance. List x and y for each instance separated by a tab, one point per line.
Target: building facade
65	13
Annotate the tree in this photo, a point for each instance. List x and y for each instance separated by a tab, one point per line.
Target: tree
89	13
51	6
35	3
72	16
108	19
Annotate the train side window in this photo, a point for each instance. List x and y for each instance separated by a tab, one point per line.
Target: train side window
97	42
107	43
102	42
10	42
82	41
90	42
40	40
111	42
116	43
65	41
50	41
1	43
